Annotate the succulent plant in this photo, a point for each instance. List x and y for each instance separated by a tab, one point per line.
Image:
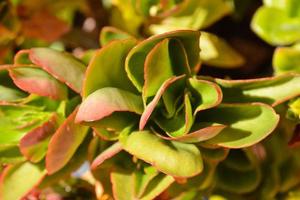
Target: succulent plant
278	23
157	126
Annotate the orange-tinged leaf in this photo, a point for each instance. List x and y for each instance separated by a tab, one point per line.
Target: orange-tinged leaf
37	81
64	143
198	135
34	144
151	106
63	66
43	25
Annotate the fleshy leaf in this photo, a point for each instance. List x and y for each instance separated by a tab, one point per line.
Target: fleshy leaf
107	71
154	73
194	15
157	186
287	59
147	179
17	120
74	163
171	55
275	26
272	90
240	119
214	155
143	177
244	181
10	94
215	51
122	191
136	57
103	102
37	81
110	33
181	123
151	106
64	143
18	180
173	158
62	66
109	127
34	144
108	153
198	135
206	94
10	154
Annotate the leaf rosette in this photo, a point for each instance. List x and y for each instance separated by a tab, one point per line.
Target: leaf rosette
150	88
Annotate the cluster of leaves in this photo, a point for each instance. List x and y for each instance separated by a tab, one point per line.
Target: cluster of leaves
134	119
278	23
161	130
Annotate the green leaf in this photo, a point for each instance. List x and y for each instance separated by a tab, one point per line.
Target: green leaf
106	154
272	90
194	15
170	54
214	155
37	81
240	119
64	143
241	159
10	154
290	7
144	184
275	26
159	184
198	135
181	123
243	181
109	127
10	94
143	7
109	33
63	66
151	106
123	185
205	94
106	68
18	180
143	177
124	17
135	60
17	120
269	187
287	59
183	160
109	100
216	52
154	73
34	144
73	164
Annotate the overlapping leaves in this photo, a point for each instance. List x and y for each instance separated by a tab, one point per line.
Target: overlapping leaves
153	88
32	125
161	122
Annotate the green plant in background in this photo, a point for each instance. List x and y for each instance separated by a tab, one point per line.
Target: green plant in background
162	131
278	23
155	17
